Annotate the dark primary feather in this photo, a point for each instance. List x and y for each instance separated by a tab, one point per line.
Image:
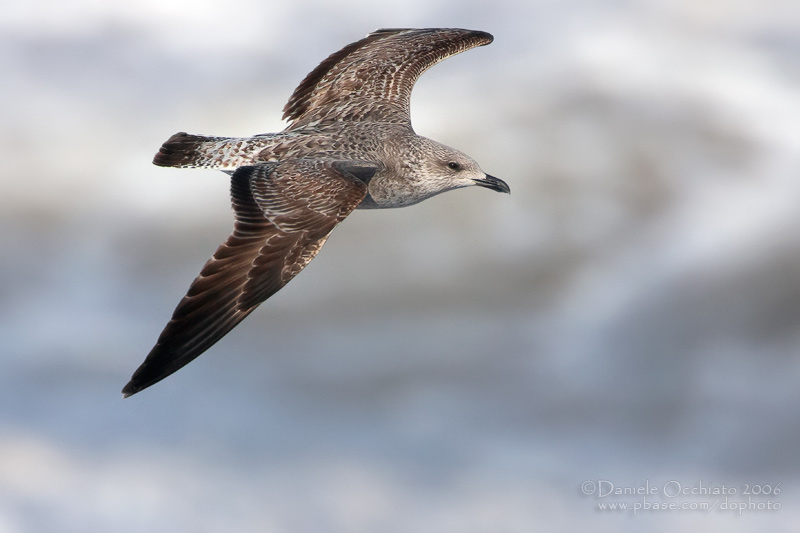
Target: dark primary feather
372	79
284	212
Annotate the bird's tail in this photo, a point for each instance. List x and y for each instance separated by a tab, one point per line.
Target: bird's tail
184	150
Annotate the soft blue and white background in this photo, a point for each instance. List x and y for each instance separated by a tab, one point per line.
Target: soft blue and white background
630	313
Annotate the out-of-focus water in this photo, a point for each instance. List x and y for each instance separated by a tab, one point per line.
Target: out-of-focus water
629	315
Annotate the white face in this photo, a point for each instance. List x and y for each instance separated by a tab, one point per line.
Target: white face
454	168
429	169
445	169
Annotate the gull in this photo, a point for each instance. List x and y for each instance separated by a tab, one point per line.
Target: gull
349	144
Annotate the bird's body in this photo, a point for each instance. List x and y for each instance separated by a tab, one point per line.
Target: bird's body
349	145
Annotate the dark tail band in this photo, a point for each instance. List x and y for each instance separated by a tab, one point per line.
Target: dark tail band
182	150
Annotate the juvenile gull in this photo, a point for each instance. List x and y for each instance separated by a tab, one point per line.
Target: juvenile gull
349	144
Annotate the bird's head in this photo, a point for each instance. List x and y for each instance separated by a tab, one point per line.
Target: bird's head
443	168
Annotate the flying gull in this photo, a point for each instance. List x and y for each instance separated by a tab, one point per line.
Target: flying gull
349	144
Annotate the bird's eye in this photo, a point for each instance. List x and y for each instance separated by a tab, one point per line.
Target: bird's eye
452	165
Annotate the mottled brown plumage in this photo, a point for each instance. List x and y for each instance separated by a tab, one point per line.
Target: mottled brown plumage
349	144
372	79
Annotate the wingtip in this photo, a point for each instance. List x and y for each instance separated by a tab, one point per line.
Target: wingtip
488	37
137	383
129	390
483	35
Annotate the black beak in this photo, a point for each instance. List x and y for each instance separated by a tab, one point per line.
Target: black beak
490	182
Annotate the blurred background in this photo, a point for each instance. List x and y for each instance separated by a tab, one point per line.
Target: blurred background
630	314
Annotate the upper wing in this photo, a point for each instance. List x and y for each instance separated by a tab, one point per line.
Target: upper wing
284	213
372	79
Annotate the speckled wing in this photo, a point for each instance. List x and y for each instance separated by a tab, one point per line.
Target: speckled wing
372	79
284	213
